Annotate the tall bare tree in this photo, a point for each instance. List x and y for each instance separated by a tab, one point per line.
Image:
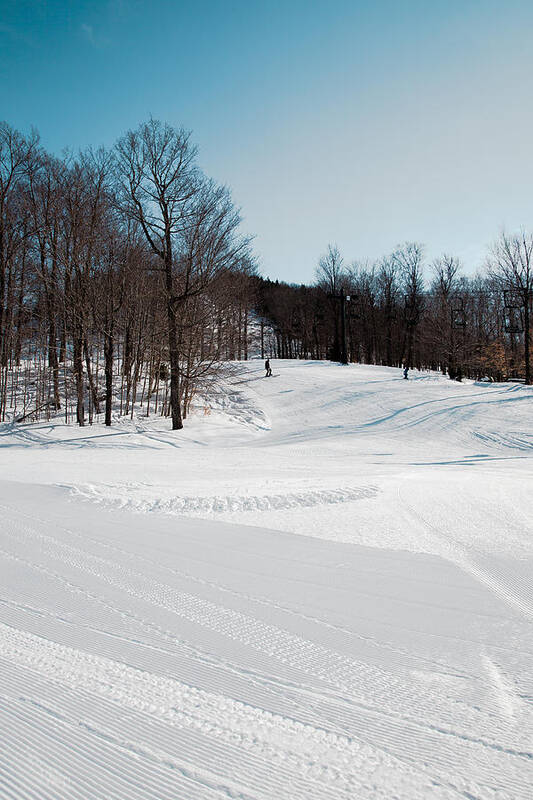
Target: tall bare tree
511	265
331	277
330	272
387	280
408	258
158	181
45	180
447	313
16	154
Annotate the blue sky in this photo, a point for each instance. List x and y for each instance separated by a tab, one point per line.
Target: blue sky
360	123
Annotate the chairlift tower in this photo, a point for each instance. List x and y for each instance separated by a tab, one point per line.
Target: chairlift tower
343	298
513	305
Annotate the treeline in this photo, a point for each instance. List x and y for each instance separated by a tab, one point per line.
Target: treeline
121	271
124	280
401	311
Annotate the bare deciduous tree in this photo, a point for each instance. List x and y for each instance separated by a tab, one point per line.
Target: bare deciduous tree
16	155
158	180
330	272
511	265
408	258
388	290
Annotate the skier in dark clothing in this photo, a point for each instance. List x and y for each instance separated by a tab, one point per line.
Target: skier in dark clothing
268	370
405	371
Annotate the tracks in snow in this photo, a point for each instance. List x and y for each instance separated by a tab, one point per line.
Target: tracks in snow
146	499
339	763
501	583
363	700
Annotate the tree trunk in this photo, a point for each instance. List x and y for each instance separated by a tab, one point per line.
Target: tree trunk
410	346
108	369
527	338
388	341
92	384
53	362
173	351
78	372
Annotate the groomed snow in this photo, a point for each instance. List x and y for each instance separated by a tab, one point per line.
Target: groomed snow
321	588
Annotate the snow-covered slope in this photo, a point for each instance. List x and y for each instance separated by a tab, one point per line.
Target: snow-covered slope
321	588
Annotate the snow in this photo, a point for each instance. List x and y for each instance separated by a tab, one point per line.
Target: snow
320	588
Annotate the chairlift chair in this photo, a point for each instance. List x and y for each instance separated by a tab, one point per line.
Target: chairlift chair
513	322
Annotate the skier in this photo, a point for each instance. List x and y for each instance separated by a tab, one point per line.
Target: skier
268	370
405	371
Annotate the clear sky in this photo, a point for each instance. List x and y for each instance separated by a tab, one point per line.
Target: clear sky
360	123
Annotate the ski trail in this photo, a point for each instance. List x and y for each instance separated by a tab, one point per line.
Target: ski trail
359	686
457	553
313	754
126	556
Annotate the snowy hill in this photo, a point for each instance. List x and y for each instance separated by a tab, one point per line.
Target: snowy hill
321	588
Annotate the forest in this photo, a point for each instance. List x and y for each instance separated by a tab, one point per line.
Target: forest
125	282
401	311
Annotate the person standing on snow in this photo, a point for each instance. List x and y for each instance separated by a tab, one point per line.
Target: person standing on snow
268	370
405	371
